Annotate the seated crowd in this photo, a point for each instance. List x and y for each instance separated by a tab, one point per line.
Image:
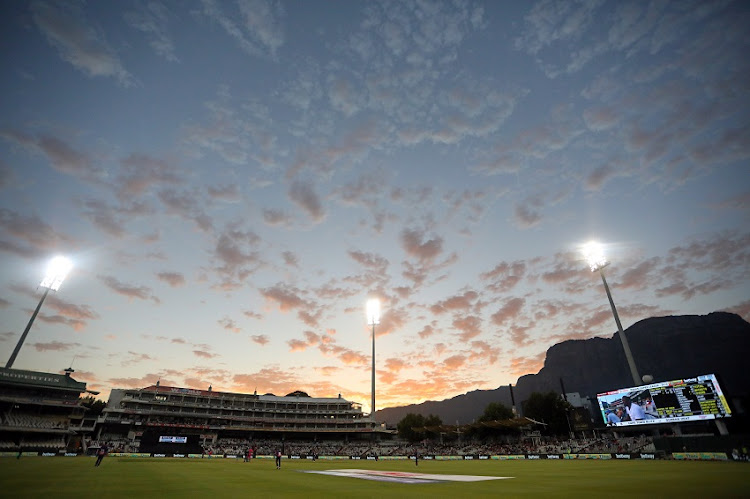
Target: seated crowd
604	444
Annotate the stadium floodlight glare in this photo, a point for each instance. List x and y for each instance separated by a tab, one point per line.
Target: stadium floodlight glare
57	270
373	318
373	312
594	255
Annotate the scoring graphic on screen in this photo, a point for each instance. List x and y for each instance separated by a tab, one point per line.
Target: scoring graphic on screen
689	399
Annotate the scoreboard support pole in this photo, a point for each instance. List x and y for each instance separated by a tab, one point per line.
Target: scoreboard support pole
722	427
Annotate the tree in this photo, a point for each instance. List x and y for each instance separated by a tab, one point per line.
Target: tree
495	411
406	427
432	421
548	408
94	405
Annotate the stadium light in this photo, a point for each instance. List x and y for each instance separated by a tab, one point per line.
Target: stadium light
594	255
373	318
57	270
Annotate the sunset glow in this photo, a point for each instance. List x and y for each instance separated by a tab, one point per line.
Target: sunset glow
234	181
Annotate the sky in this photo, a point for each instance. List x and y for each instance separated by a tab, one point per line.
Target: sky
233	180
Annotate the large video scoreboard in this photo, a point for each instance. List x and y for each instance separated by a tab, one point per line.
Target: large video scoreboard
689	399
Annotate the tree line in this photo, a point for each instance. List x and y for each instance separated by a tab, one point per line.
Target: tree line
547	408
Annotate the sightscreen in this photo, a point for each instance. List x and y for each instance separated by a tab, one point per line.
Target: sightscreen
689	399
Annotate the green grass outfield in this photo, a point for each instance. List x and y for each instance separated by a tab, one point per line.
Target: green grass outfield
76	477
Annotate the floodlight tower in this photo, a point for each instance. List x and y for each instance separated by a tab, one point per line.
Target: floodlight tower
57	270
373	318
594	255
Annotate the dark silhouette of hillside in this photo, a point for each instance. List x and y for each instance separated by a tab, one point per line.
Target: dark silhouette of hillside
667	348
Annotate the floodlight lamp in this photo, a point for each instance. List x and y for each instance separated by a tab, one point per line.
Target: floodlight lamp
594	255
57	270
373	311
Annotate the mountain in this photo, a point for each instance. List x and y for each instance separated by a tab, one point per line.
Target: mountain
667	348
462	408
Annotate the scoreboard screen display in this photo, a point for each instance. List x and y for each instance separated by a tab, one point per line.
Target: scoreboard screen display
172	440
689	399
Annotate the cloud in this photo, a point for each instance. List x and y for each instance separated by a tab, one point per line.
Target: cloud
276	218
272	379
103	216
259	31
600	118
184	204
252	315
527	215
344	96
71	315
151	19
396	364
229	193
566	272
229	325
638	276
54	346
600	176
62	156
76	324
287	297
370	261
174	279
481	350
237	256
455	361
79	42
742	309
326	344
305	197
80	313
131	358
130	291
260	339
508	311
461	302
703	266
290	259
527	365
296	345
328	370
141	172
7	175
470	327
439	381
414	32
145	380
427	331
504	276
414	243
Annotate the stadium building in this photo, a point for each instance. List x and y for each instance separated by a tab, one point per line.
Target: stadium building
41	412
206	416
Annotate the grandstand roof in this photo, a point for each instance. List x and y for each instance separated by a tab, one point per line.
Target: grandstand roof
267	397
18	377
